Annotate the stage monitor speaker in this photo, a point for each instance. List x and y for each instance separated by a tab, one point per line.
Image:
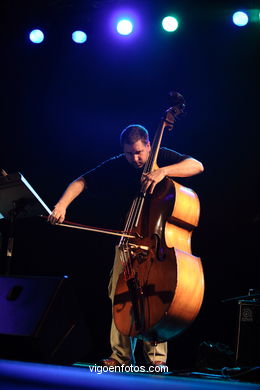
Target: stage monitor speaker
40	320
248	334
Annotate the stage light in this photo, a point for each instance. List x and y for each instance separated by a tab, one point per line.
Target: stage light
79	36
254	15
240	18
124	27
36	36
170	23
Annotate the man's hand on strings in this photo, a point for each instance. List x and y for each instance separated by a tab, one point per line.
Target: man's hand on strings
57	215
149	180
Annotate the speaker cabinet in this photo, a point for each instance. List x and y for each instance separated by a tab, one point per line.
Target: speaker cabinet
248	334
40	320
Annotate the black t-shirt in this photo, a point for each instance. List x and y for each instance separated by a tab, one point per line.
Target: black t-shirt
114	183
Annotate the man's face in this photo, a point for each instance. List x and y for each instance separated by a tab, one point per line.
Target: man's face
137	153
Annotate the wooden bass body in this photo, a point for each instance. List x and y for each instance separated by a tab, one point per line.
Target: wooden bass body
169	279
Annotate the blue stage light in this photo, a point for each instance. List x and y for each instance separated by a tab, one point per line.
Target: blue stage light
79	36
125	27
170	23
36	36
240	18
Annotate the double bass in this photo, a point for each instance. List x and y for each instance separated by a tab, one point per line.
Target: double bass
160	290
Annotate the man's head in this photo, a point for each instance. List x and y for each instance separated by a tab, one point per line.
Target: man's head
136	145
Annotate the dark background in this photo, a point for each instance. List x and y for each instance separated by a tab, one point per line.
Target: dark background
64	106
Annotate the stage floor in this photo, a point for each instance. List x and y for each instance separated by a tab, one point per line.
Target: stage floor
15	375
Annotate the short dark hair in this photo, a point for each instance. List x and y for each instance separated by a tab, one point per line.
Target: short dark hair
134	133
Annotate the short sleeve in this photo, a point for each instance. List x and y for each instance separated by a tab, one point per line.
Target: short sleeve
168	157
99	178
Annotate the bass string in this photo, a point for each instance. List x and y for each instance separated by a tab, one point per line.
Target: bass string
123	245
135	211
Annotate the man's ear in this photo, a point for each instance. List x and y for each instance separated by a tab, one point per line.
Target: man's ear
148	145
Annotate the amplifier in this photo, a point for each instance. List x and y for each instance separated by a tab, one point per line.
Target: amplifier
40	320
248	333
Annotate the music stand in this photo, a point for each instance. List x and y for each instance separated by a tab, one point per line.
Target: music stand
18	200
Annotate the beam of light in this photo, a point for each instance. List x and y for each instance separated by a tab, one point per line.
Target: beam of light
170	23
240	18
36	36
125	27
79	36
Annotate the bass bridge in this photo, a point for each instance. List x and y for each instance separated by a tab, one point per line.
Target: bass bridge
139	252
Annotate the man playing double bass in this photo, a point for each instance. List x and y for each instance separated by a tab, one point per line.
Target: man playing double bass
120	178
